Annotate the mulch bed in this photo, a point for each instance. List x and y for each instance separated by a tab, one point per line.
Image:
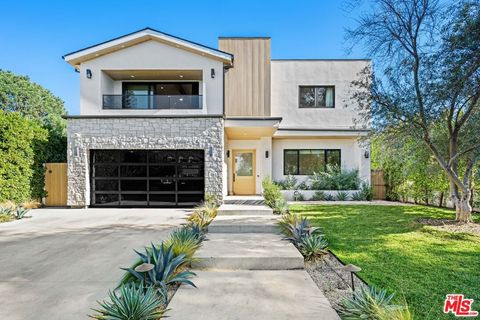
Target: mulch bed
450	225
335	283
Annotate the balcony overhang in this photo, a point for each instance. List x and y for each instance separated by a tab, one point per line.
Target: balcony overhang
314	133
177	75
251	128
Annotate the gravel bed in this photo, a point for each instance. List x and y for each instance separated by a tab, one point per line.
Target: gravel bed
335	283
450	225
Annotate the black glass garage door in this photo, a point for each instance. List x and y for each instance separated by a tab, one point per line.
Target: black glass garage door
141	178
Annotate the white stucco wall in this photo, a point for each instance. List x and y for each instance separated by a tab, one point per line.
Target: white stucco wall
288	75
352	154
150	55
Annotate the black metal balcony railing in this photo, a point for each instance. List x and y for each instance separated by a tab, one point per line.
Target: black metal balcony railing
119	101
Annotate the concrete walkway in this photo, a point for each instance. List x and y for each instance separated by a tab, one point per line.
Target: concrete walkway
248	272
56	264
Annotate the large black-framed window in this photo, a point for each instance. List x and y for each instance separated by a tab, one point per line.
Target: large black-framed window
316	96
308	161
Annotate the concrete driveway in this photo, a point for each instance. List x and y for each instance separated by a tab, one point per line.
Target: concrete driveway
56	264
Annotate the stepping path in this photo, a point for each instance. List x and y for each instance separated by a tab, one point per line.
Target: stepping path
247	271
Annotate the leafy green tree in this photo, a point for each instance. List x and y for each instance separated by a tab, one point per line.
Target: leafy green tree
21	145
19	94
427	76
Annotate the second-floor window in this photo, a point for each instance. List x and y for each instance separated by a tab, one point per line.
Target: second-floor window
316	96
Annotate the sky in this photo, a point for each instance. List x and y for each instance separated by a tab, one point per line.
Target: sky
34	35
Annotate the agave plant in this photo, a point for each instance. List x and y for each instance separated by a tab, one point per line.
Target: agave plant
133	303
341	196
313	245
165	271
357	196
203	215
6	211
371	303
319	195
299	229
185	240
20	213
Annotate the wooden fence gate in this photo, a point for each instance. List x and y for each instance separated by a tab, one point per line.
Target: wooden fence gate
56	184
378	185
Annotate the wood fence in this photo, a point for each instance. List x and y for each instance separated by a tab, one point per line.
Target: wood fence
378	185
56	184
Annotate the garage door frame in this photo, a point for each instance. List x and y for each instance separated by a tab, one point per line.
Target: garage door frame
177	178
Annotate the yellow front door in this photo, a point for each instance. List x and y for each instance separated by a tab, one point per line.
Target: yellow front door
244	172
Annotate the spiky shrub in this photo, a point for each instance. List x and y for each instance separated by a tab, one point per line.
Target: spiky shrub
313	246
133	302
366	191
357	196
371	303
286	221
20	213
341	196
166	271
6	211
329	197
299	229
202	216
32	204
335	179
185	240
281	207
318	196
212	200
288	183
303	186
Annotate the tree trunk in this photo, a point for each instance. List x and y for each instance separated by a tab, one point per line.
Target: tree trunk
463	207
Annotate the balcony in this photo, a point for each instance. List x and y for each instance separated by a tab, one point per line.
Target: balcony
149	101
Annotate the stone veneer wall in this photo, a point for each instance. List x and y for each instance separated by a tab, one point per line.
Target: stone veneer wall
85	134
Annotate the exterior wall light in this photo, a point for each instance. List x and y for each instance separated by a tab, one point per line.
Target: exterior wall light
266	154
89	74
228	153
367	154
212	73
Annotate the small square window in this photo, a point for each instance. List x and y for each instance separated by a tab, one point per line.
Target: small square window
316	97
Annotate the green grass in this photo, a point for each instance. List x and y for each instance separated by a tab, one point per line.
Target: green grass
401	255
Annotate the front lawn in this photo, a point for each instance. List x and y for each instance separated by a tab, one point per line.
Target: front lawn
396	252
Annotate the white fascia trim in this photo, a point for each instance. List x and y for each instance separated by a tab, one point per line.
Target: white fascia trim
319	133
269	123
151	33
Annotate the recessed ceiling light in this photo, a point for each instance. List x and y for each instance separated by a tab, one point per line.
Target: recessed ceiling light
161	88
132	76
181	76
96	54
123	46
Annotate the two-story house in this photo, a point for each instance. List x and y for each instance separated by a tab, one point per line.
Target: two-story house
164	121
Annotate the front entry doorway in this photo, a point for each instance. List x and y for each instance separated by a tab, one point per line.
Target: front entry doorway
244	172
